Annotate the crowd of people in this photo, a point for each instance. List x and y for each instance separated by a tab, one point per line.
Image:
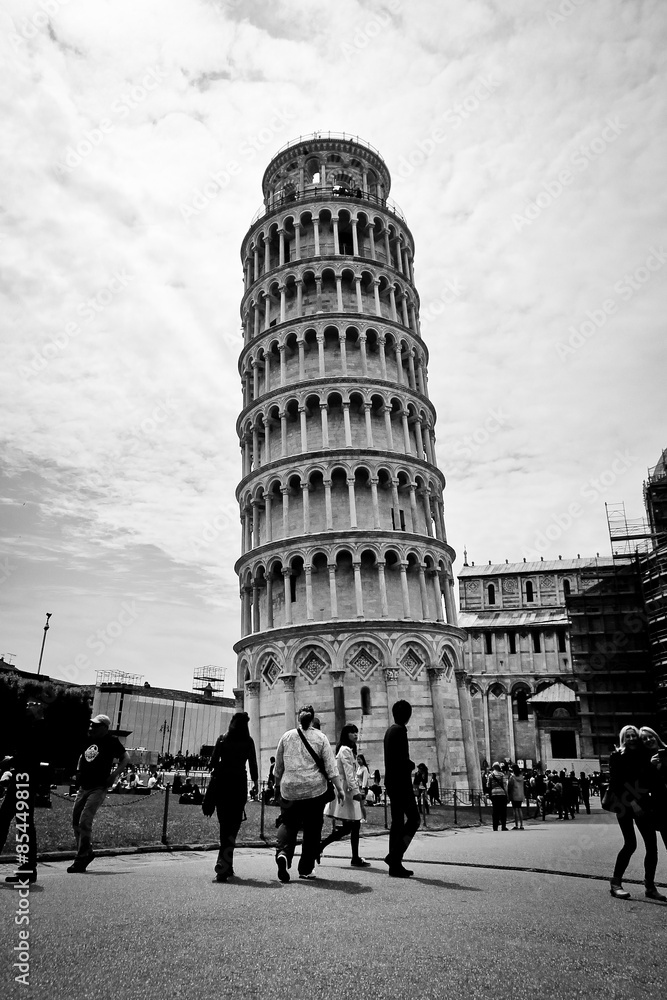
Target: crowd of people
183	762
308	780
560	793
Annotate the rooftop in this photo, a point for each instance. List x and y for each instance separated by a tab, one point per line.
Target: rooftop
512	619
543	566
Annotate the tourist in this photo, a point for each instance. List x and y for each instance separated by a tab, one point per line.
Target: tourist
497	790
658	753
304	762
24	768
93	776
585	791
363	776
398	770
350	811
516	793
434	790
631	777
227	791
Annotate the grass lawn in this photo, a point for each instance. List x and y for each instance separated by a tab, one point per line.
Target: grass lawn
136	820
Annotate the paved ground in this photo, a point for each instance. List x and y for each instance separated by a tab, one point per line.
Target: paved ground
155	926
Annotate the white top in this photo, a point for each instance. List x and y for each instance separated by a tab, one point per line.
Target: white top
347	768
296	771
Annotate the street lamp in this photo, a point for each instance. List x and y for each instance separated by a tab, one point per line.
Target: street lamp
46	629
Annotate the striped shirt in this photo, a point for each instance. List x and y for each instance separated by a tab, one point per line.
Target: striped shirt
296	771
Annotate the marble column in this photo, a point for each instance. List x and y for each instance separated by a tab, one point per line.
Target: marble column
391	682
252	708
289	685
436	677
468	729
338	682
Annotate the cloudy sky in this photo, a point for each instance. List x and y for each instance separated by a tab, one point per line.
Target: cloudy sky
526	145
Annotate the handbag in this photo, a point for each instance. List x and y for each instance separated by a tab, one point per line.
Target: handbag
208	805
608	801
330	793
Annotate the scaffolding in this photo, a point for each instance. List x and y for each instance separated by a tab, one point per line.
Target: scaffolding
209	681
118	677
627	536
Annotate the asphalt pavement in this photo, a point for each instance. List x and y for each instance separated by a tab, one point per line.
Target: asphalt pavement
516	914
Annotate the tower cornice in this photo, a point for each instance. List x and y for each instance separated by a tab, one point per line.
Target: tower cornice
358	382
296	544
342	456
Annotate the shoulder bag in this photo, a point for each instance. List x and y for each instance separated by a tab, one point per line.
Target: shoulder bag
330	793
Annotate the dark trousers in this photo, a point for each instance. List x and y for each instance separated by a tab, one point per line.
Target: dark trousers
404	823
627	824
26	817
230	817
306	815
499	811
351	826
585	798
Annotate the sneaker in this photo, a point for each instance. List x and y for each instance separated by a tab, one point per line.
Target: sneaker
283	874
360	863
76	868
618	891
308	878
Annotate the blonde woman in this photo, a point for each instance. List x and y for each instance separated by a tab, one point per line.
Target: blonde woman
631	778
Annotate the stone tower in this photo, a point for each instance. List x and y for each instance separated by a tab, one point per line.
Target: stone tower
345	574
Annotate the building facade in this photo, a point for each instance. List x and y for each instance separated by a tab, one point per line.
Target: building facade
345	574
162	720
519	660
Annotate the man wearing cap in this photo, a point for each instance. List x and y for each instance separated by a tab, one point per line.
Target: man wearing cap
304	761
93	776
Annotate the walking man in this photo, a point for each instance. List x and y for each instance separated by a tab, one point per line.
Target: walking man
93	777
304	761
398	770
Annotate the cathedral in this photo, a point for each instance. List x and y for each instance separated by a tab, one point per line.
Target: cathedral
346	584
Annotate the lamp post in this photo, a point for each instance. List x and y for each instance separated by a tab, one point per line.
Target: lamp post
164	729
46	629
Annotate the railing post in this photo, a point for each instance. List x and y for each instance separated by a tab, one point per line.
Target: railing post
479	803
386	825
455	819
165	814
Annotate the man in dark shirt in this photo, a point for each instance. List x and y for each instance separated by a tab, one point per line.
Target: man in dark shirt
93	777
398	770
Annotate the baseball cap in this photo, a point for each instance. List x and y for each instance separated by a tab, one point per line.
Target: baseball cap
101	720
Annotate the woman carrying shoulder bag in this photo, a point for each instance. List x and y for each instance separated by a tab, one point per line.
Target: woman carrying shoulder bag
227	792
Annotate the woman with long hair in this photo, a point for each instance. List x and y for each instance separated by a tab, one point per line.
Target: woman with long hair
658	754
228	788
363	775
349	812
631	779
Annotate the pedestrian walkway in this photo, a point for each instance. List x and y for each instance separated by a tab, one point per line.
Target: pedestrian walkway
155	926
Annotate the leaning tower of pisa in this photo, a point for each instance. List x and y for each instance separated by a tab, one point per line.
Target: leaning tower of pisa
345	573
